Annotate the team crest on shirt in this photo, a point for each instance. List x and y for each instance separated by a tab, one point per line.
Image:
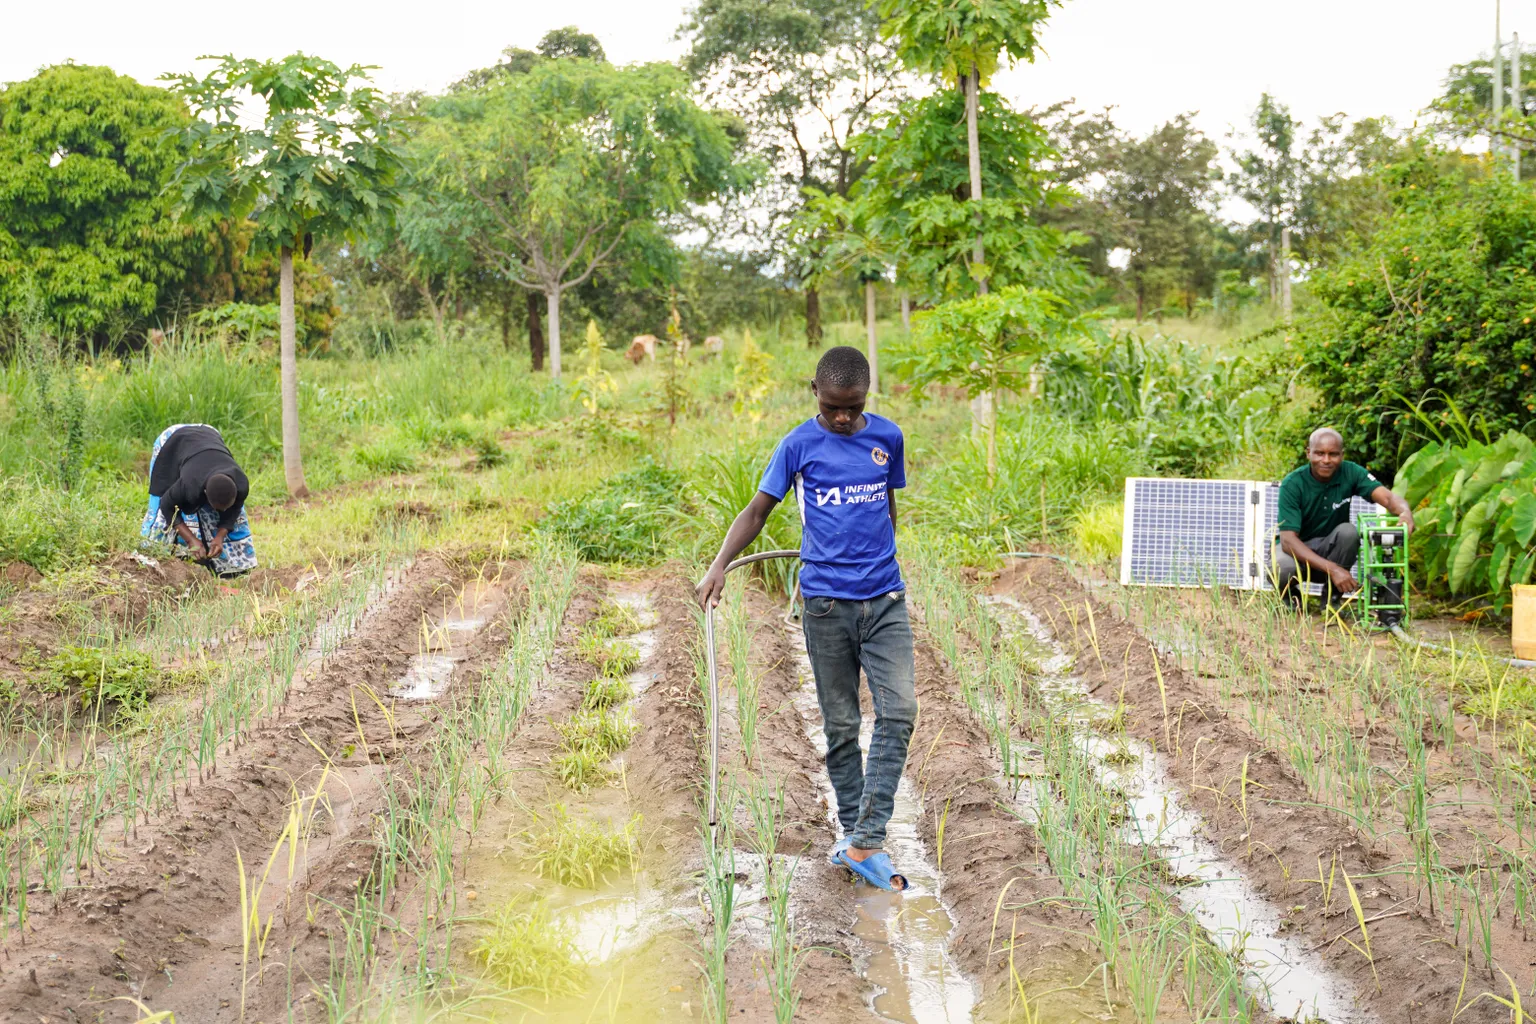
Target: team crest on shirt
878	454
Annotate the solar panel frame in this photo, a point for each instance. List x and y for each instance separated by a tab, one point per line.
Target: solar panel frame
1188	533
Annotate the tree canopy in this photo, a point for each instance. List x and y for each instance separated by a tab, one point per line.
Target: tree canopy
87	240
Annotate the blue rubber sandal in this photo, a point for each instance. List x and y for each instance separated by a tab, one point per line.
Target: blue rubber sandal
875	869
836	851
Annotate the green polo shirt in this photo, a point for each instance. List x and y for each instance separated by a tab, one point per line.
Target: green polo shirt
1313	507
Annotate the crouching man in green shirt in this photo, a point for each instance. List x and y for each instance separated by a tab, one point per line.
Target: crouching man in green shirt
1317	540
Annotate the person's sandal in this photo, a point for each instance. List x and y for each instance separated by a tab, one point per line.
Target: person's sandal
875	869
837	849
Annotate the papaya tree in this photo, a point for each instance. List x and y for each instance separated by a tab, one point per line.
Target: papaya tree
964	44
989	344
322	161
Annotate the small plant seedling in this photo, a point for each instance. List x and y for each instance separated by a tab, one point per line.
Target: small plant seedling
124	679
610	659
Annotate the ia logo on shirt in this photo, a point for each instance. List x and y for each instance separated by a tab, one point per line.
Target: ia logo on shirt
879	456
835	496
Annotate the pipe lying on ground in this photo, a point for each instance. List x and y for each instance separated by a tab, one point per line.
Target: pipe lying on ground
1402	634
714	682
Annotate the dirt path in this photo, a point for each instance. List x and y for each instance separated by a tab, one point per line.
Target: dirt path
161	922
1274	828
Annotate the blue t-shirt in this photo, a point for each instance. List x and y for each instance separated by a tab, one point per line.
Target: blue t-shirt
842	482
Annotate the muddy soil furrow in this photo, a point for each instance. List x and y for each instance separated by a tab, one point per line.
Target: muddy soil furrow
160	920
821	898
987	849
1278	833
1462	809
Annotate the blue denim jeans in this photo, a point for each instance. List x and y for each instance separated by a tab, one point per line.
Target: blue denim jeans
841	637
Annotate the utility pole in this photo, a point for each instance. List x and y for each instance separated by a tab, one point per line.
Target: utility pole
1498	81
1517	99
1285	272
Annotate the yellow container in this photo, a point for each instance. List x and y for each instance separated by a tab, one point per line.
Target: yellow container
1524	631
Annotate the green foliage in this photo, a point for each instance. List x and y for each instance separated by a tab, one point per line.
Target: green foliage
611	658
196	382
625	519
953	39
389	454
579	853
752	379
1475	508
323	161
612	619
84	229
558	166
50	530
912	203
1182	409
526	949
1096	531
122	678
1437	304
988	342
488	451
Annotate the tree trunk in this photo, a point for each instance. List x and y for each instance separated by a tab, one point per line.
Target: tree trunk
973	144
1141	301
906	310
506	319
874	344
990	417
812	318
1285	273
288	355
552	301
981	405
535	332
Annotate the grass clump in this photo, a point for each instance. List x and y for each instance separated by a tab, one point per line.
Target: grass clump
582	854
610	659
606	692
1096	531
624	520
526	950
389	455
612	619
588	739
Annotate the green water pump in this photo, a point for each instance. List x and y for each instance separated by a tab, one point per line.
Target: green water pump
1383	570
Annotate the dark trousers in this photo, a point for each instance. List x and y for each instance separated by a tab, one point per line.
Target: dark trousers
1341	547
841	637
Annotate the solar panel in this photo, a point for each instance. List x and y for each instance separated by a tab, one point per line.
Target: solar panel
1187	533
1269	534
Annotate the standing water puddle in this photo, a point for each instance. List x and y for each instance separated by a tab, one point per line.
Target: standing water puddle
446	644
623	932
907	934
1293	983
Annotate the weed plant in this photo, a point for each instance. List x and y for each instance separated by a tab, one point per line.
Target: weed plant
606	692
526	950
582	854
616	659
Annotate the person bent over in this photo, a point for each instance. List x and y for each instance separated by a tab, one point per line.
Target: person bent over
845	466
1318	543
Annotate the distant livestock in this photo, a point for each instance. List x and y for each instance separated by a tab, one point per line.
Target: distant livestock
643	347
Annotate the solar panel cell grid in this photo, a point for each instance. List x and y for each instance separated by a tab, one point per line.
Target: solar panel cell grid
1186	532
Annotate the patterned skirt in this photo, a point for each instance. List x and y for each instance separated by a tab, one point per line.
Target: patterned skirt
239	552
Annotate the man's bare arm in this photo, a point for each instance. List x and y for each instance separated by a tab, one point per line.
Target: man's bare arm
1292	544
744	529
1395	504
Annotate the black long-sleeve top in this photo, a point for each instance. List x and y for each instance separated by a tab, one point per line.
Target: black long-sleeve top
181	471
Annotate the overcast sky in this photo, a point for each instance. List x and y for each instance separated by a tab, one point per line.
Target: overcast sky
1150	58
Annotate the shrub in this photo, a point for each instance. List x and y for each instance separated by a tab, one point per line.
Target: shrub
1476	514
1438	304
625	519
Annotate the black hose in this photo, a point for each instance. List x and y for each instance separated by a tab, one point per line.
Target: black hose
1039	554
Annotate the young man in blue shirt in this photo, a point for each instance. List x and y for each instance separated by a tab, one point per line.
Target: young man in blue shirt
844	466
